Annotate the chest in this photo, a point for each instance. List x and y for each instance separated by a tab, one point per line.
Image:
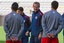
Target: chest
25	20
36	17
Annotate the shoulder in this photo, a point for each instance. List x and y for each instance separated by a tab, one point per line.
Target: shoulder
47	12
63	15
40	13
58	14
17	16
7	15
27	17
32	12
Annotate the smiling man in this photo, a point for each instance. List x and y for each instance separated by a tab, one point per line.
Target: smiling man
35	27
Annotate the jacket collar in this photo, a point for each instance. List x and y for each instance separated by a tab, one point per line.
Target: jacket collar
23	15
36	12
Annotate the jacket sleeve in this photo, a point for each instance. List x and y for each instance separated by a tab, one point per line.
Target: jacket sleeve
22	28
63	19
43	23
6	27
41	30
60	26
28	22
63	23
30	28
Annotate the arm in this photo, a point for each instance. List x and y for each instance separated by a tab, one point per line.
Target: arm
28	22
17	23
29	25
63	19
30	28
22	28
6	27
60	26
44	26
63	23
41	30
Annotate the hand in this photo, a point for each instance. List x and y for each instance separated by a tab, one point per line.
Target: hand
27	33
51	36
39	37
14	39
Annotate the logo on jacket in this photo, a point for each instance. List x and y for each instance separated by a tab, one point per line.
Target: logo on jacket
14	14
36	17
24	20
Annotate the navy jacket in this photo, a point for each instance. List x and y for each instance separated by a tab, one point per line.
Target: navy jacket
26	24
36	27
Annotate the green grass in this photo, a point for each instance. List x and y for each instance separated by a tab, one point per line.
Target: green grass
3	38
2	35
60	36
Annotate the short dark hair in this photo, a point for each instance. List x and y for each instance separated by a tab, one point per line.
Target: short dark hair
14	6
54	4
21	9
37	3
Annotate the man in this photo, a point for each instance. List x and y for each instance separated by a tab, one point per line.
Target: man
35	27
52	24
63	25
26	24
13	26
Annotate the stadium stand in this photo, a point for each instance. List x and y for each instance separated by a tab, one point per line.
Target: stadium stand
5	7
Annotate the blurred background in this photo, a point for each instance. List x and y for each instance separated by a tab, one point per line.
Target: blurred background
45	5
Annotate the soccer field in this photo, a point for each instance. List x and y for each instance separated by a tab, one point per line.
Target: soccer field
3	38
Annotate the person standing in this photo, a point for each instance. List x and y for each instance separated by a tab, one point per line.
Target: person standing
63	25
13	25
52	24
26	24
36	27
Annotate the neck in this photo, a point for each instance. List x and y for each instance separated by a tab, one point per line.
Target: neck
36	11
53	9
13	11
22	14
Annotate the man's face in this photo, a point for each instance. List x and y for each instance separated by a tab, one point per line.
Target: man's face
35	7
20	12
